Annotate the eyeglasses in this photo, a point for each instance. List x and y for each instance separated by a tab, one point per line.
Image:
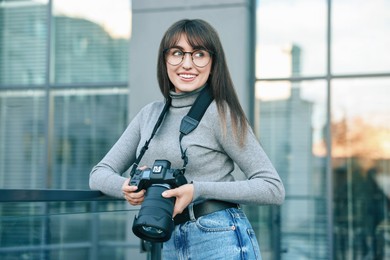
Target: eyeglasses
175	56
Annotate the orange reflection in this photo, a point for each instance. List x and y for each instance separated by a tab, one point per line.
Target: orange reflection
358	138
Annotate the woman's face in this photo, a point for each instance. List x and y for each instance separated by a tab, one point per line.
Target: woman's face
185	76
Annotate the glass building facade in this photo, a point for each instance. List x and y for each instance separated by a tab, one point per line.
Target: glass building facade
321	112
63	103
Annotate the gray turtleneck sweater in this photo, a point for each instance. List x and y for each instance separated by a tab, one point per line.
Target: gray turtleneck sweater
212	154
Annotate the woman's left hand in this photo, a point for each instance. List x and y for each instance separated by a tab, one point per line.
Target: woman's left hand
183	194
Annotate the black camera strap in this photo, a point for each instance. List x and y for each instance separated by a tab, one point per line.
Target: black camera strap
146	145
188	124
192	119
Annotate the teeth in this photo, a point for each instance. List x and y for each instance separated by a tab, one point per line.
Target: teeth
187	76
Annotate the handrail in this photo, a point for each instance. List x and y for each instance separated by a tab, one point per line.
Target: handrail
42	195
49	195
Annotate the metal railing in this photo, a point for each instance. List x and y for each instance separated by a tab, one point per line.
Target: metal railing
153	250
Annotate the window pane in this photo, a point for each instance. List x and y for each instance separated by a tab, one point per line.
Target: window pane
86	123
22	139
292	120
361	167
29	232
91	41
286	25
23	38
360	36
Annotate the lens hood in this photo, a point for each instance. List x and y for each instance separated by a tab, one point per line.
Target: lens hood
154	222
153	228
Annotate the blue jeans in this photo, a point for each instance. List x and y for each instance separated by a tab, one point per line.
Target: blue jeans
225	234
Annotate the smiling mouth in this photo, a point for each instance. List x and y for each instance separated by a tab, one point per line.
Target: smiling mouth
187	76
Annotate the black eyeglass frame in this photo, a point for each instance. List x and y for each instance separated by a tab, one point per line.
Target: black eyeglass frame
189	52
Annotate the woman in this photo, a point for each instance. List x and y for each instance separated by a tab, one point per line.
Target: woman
209	222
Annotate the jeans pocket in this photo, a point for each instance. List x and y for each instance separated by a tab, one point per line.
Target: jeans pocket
215	222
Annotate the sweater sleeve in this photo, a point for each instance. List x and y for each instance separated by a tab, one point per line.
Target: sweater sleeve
106	176
262	185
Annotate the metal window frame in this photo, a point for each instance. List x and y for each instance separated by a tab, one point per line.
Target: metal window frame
328	77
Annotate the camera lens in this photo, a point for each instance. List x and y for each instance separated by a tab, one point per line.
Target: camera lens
154	222
153	230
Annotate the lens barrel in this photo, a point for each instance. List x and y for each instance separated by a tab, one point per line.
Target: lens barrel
154	222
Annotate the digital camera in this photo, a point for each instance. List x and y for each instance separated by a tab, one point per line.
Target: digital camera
154	222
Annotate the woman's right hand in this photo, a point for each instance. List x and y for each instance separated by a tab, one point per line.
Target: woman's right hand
134	198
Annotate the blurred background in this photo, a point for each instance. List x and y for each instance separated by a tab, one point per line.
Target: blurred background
313	77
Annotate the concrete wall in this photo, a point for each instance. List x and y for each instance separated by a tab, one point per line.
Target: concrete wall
151	18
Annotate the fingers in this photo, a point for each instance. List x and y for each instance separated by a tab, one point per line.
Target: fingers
169	193
185	191
130	194
135	198
183	194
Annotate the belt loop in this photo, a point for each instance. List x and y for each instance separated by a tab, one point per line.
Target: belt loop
191	212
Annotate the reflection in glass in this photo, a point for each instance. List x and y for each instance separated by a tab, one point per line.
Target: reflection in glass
285	24
53	131
292	120
22	146
91	41
27	234
23	42
86	123
360	40
361	167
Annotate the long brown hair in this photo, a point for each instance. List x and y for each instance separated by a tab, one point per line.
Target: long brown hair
201	33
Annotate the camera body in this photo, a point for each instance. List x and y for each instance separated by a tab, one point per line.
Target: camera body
154	222
160	173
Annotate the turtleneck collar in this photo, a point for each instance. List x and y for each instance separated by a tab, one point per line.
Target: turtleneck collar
184	99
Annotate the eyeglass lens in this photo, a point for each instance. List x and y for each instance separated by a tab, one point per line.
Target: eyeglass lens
200	58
